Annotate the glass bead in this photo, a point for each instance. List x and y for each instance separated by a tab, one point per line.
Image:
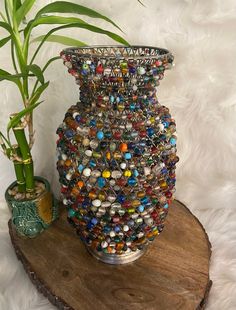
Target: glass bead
96	173
94	144
127	173
127	155
100	135
172	141
106	204
141	70
88	153
101	182
106	174
132	181
96	203
87	172
116	174
71	212
112	146
123	166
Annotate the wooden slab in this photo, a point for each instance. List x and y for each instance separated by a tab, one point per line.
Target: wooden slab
173	274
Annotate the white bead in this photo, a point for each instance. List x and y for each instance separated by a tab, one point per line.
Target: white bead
116	205
112	234
104	244
96	203
111	198
147	170
88	153
160	127
116	174
64	156
106	204
129	126
125	227
65	201
123	165
87	172
96	173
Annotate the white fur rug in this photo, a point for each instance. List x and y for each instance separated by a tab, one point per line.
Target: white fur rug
200	92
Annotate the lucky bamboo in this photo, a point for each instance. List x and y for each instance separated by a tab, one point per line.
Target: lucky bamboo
27	161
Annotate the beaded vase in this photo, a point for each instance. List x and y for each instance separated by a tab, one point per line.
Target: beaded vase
117	150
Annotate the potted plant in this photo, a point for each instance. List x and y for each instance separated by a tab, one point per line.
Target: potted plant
30	199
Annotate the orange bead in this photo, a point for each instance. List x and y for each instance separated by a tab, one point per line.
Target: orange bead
123	147
92	195
68	162
80	184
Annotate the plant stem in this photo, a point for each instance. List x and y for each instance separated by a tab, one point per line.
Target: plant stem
19	133
19	171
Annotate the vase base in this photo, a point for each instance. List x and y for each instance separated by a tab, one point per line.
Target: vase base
115	259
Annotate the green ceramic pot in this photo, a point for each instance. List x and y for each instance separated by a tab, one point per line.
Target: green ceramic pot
30	217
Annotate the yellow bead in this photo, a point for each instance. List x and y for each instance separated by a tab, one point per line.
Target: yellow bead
106	174
135	203
140	194
102	196
108	155
152	120
127	173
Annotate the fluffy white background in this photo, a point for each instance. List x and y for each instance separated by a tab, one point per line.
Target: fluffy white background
200	92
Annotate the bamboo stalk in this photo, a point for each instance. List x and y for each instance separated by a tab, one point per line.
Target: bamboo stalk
27	161
19	171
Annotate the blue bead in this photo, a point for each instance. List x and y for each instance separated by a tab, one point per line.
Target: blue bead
135	173
117	228
92	122
92	163
141	208
172	141
100	135
150	131
144	200
69	133
94	221
121	198
132	107
90	225
71	212
80	168
106	229
112	99
132	181
78	118
166	206
128	155
166	124
101	182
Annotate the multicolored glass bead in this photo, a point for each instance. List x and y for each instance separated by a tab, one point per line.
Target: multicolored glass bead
117	148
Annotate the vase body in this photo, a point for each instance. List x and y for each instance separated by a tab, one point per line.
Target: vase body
30	217
117	150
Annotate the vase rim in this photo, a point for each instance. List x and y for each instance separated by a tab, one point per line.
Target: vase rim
118	51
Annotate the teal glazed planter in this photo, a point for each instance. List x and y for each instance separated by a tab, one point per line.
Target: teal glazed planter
31	217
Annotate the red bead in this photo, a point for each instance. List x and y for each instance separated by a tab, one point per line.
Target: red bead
99	69
117	135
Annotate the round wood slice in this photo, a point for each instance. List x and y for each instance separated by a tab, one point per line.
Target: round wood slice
172	274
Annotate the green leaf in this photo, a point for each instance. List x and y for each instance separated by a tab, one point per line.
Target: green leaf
89	27
69	7
18	4
16	119
4	75
62	40
50	20
23	10
36	70
4	41
6	26
38	93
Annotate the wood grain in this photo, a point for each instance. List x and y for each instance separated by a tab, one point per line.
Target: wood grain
173	273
